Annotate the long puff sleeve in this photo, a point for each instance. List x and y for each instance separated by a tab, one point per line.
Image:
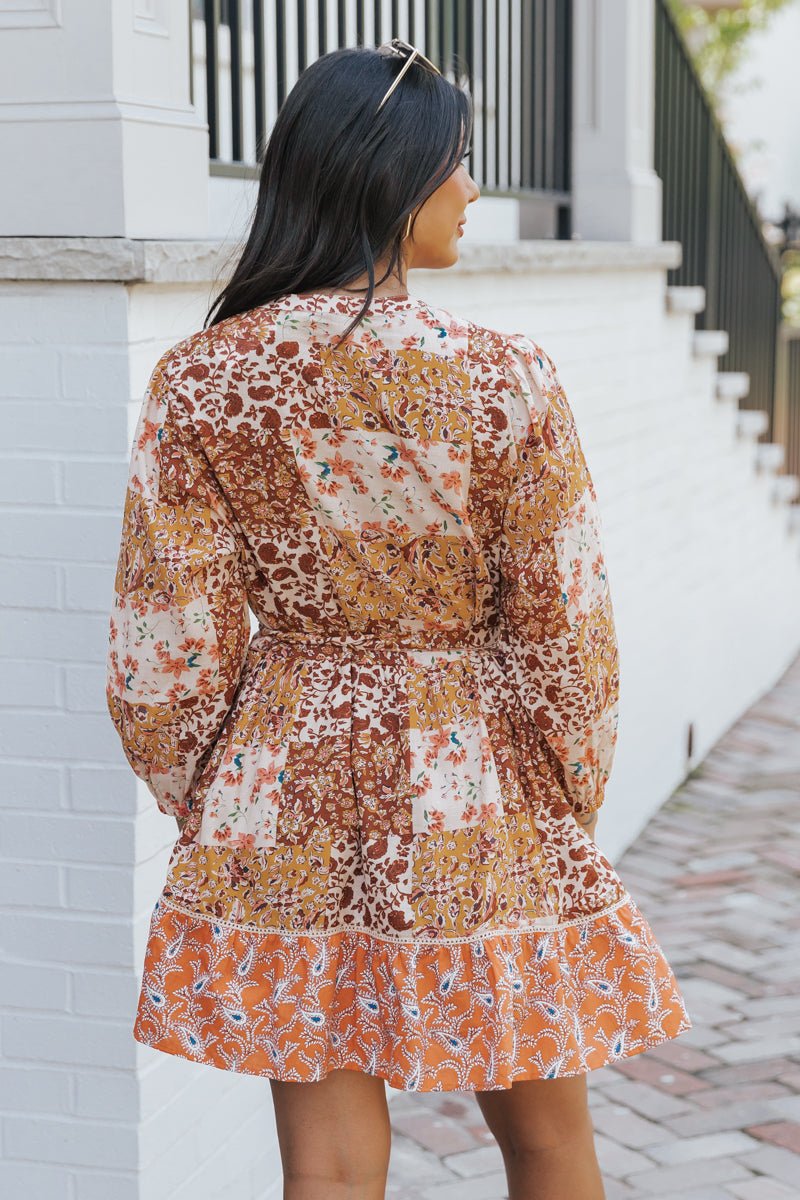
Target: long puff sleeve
556	606
179	627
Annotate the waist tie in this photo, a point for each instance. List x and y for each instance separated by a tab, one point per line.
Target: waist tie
305	641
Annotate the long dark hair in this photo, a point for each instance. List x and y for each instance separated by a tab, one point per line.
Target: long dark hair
339	180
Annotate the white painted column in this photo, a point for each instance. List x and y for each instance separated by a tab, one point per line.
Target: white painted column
96	129
616	192
101	149
86	1112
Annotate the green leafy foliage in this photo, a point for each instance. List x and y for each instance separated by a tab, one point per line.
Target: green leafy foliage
717	39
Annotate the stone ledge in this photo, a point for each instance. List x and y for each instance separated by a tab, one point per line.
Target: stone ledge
111	259
146	260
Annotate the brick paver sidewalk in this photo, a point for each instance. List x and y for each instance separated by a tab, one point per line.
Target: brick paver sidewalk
715	1114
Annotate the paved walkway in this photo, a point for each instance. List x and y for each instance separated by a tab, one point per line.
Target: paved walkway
715	1114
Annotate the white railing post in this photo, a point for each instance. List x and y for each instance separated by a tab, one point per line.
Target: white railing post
96	128
616	192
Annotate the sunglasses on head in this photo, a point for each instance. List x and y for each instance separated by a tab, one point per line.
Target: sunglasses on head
400	49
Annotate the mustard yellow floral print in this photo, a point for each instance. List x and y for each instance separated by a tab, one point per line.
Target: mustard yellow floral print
362	648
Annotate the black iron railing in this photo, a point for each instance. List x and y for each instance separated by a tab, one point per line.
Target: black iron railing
706	207
515	56
787	400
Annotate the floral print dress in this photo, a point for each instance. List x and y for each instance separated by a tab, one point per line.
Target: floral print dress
362	648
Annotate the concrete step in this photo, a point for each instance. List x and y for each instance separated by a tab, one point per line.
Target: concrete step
770	457
751	422
732	385
709	343
691	299
787	490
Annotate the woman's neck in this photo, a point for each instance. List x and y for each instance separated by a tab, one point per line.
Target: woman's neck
392	286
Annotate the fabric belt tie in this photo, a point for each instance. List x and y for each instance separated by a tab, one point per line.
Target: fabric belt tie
352	641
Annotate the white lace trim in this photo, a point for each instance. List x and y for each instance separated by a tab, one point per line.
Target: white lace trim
543	925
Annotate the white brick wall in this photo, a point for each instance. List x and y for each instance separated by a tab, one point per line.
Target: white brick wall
706	584
704	572
86	1113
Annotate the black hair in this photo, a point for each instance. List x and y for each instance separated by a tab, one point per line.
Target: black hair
338	179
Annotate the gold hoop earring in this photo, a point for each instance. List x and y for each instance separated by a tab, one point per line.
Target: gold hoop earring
408	226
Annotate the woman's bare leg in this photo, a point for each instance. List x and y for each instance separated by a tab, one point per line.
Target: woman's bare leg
334	1136
544	1130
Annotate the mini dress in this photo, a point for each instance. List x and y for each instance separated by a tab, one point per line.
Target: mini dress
362	648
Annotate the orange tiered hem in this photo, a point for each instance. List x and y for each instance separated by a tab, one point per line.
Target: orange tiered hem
454	1014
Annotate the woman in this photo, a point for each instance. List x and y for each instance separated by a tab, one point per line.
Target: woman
386	797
